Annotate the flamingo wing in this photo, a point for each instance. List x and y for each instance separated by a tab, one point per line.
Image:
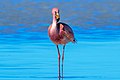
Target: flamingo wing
65	30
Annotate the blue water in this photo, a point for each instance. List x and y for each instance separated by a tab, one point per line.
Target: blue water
26	52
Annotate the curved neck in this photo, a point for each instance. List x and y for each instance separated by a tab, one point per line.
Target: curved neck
54	26
54	21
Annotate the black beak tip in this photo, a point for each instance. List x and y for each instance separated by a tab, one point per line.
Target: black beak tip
58	19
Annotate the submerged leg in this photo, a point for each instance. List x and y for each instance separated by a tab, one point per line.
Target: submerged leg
63	59
58	61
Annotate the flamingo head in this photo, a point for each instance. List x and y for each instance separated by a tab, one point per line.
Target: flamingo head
55	12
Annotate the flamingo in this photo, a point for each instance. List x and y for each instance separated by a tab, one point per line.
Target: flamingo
60	33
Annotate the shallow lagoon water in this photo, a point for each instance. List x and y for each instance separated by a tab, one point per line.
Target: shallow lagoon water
26	53
29	58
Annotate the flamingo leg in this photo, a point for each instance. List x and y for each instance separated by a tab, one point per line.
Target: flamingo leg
63	59
58	62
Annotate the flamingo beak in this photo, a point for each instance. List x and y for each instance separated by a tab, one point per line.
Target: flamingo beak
57	17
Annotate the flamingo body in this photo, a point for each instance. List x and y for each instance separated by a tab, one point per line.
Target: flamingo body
62	35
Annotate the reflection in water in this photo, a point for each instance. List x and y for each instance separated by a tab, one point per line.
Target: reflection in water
62	71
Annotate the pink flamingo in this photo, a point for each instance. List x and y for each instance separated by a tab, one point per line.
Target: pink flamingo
60	33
